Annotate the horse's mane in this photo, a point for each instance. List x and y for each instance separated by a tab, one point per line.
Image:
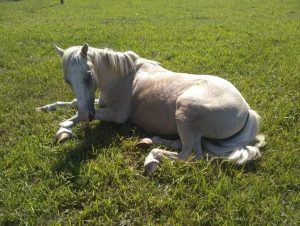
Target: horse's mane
121	62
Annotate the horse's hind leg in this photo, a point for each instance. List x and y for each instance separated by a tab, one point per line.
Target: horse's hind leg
155	157
146	142
190	140
175	144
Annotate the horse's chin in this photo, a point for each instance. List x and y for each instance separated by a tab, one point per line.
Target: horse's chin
86	116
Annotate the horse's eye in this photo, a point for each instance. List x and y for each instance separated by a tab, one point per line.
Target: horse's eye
88	75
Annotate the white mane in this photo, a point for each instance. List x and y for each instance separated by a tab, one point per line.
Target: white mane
122	63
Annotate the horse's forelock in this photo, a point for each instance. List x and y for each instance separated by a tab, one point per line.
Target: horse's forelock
73	57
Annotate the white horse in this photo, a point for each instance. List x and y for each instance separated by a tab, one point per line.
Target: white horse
207	112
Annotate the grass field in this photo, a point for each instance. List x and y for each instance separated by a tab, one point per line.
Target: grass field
98	178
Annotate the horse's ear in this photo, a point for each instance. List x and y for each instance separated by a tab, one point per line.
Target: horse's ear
84	50
60	51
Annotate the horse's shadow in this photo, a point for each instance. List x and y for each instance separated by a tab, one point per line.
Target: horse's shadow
93	138
96	137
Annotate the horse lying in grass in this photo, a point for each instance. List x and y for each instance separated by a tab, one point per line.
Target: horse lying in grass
207	112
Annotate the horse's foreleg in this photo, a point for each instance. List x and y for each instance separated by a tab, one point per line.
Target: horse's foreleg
65	131
70	104
111	115
155	157
54	106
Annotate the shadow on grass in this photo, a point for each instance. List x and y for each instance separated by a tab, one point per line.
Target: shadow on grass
95	139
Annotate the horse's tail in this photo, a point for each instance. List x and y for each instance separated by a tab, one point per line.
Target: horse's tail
243	146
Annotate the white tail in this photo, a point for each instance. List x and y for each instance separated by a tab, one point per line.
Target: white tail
242	147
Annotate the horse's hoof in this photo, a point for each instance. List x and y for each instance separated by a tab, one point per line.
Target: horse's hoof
39	109
63	137
150	167
151	164
144	143
63	134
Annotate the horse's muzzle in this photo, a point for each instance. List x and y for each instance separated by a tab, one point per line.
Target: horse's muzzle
86	116
86	110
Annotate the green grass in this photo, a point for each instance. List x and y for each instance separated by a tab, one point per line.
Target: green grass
98	177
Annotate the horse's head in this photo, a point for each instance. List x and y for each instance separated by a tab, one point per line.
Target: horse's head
79	74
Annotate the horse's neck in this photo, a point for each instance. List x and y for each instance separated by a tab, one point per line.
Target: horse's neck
103	73
110	66
106	76
116	90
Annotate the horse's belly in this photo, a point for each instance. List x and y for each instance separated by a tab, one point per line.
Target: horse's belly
155	118
154	102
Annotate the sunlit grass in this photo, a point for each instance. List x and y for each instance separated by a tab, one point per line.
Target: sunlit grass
98	177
